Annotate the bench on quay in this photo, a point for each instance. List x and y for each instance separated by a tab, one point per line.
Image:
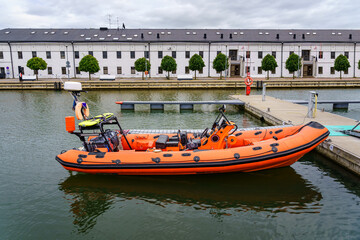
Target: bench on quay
107	77
185	77
28	78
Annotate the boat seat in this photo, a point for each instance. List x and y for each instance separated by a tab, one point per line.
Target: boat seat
161	141
172	143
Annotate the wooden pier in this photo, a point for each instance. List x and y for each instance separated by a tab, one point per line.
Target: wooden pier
343	149
184	105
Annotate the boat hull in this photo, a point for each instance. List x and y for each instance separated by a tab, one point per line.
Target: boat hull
270	153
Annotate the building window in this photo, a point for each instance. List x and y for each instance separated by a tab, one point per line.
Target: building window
91	53
187	70
247	69
132	54
320	70
187	54
48	54
62	54
201	53
346	54
218	52
1	55
259	70
105	70
77	70
20	56
160	54
63	70
173	54
160	71
332	55
332	70
146	54
274	54
132	70
104	54
173	72
291	52
119	70
49	70
201	71
247	54
346	71
77	54
321	54
118	54
273	72
33	54
260	55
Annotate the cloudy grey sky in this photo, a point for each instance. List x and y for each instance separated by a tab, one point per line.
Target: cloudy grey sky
318	14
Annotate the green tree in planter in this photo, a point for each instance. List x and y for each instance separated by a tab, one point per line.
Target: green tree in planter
341	64
220	63
168	64
142	65
36	64
89	64
196	63
293	63
268	64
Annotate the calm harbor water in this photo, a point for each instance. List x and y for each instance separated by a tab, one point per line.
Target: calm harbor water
312	199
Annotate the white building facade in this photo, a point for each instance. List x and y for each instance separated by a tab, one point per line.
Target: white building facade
118	49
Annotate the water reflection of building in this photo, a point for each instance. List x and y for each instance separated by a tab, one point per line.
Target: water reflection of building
276	190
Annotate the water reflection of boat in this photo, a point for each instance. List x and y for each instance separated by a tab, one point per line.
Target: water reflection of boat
276	190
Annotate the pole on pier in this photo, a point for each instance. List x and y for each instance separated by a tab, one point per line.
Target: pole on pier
264	92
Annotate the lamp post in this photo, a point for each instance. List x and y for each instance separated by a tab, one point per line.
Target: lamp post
225	60
299	62
67	64
145	63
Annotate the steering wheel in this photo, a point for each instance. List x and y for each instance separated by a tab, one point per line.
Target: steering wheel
203	134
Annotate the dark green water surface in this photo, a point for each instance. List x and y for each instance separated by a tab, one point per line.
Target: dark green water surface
312	199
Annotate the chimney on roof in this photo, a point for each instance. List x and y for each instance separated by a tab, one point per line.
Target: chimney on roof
350	36
277	36
204	35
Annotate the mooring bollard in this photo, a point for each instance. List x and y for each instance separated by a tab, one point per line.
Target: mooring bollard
264	91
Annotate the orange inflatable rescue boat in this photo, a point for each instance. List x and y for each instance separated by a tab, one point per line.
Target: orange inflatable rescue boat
220	149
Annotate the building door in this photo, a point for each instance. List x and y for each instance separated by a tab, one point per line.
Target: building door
2	72
308	70
233	55
235	70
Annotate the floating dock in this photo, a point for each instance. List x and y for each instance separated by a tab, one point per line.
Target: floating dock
184	105
343	149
